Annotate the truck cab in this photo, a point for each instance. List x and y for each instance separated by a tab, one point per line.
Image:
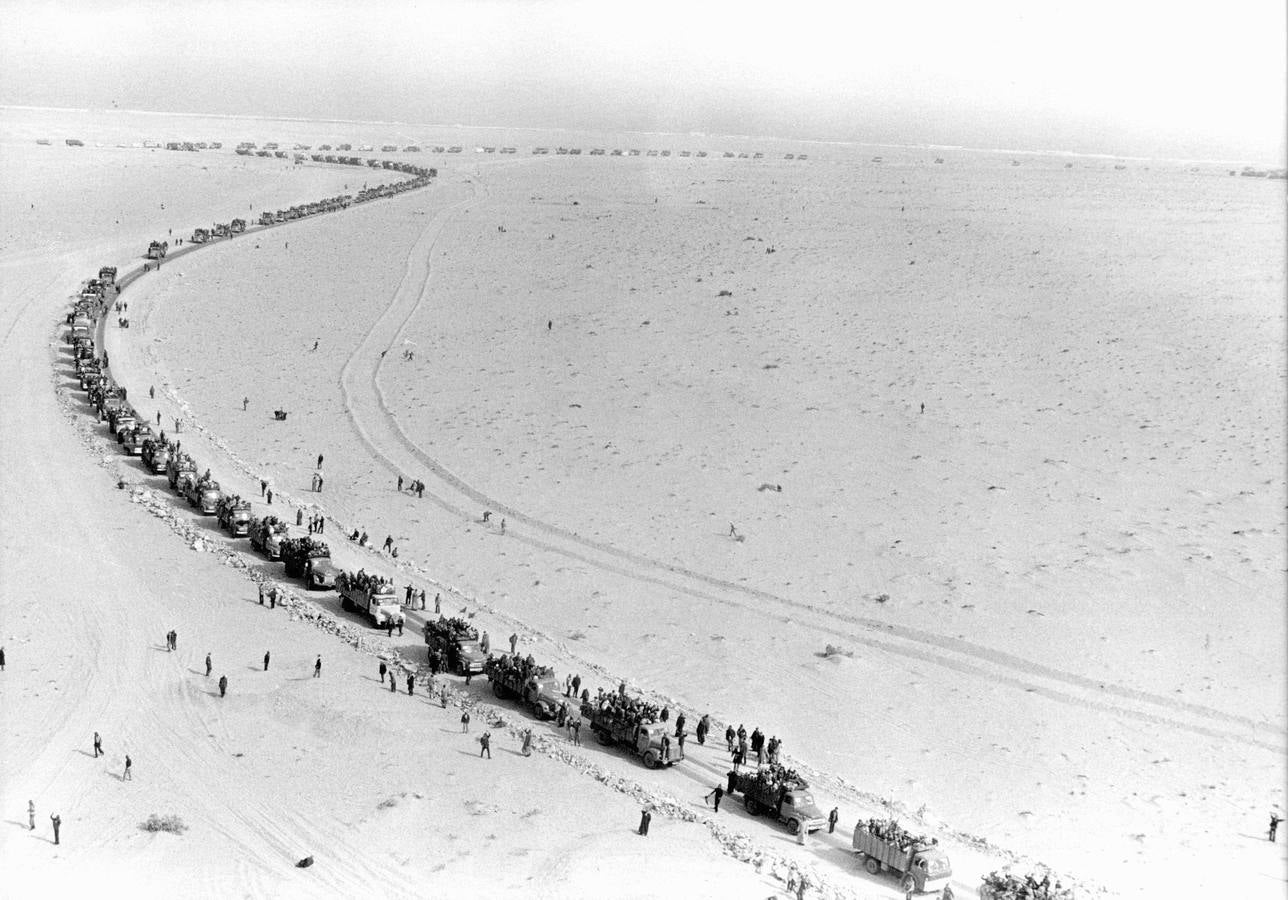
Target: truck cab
649	745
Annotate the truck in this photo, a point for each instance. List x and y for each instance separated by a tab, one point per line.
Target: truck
219	230
107	274
82	326
534	686
310	559
179	462
237	226
370	595
457	642
922	868
135	438
267	535
650	741
156	455
779	793
234	515
199	236
157	249
204	494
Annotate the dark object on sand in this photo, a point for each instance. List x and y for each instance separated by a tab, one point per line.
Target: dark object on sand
279	415
304	863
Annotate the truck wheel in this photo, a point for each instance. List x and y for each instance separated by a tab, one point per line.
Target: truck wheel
793	826
497	690
650	760
604	738
907	883
873	867
753	808
346	605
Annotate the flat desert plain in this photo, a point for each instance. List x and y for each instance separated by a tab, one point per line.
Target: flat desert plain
964	479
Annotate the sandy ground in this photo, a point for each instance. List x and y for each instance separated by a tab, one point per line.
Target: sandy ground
1063	630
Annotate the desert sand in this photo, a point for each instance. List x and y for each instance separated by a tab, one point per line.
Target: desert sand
1053	595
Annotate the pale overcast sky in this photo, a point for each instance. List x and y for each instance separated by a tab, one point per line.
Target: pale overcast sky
1191	80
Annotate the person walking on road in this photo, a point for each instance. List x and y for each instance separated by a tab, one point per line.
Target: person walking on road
411	685
832	818
646	817
58	823
717	793
98	746
465	722
527	742
261	593
266	658
317	668
383	670
514	642
485	741
223	685
209	665
128	775
393	684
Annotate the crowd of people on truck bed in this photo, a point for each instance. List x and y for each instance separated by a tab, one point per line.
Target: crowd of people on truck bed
363	580
1006	886
892	832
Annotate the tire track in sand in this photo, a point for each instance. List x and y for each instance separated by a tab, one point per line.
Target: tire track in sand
367	409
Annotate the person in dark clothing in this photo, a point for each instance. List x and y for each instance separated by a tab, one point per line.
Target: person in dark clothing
645	818
717	793
400	627
383	670
98	746
261	593
128	775
393	684
485	742
317	667
223	685
576	684
679	724
704	725
1	659
389	627
400	482
58	823
1274	827
832	818
319	460
209	665
733	782
514	642
266	656
729	736
411	685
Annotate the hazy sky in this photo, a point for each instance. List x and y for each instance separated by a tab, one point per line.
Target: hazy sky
1203	80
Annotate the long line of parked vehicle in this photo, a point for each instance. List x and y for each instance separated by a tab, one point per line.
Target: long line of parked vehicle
630	723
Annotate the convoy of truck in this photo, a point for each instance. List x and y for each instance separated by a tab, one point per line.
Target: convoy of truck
771	791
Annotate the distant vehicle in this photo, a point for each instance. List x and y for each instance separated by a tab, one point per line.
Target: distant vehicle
234	515
267	535
458	643
199	236
538	689
158	249
155	456
920	864
642	739
310	559
74	142
781	794
377	600
204	494
44	142
237	226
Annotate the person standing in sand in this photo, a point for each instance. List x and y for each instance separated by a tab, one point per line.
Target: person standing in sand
317	669
223	685
266	658
384	669
128	774
98	745
31	815
209	664
58	822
